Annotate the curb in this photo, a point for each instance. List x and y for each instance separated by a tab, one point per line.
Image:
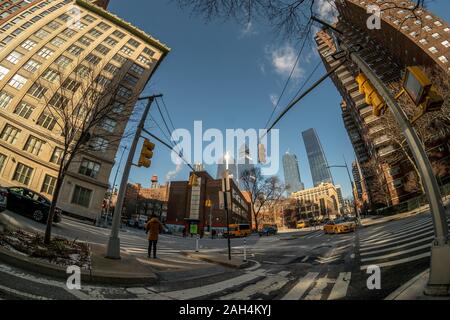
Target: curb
394	295
90	276
194	255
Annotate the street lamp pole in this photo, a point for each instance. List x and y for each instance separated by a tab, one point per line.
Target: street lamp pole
113	248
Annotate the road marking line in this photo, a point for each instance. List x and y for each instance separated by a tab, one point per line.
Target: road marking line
270	262
425	233
392	231
317	291
394	254
23	294
400	261
340	289
301	286
396	247
399	234
305	258
212	288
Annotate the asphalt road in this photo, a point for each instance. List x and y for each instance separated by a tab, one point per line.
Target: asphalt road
313	266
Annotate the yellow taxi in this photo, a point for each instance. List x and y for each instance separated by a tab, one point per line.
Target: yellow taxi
301	224
339	226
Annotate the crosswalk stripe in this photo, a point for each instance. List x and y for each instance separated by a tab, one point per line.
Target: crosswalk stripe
265	287
384	244
397	238
22	294
212	288
398	234
340	289
397	247
400	261
301	286
394	254
394	230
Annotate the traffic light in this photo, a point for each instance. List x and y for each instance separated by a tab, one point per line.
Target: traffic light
146	154
372	97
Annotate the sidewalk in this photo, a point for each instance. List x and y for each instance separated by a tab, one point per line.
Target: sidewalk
374	220
414	289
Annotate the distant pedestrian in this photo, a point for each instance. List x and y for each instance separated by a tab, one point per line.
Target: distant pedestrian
153	227
213	232
184	232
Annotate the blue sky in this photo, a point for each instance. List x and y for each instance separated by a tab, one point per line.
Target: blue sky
227	75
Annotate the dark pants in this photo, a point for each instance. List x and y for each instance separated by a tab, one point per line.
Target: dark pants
152	243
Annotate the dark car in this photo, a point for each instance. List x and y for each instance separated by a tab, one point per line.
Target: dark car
29	203
267	231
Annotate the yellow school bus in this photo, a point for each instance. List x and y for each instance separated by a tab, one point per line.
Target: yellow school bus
239	230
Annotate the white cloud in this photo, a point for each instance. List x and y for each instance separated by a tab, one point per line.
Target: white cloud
326	10
274	99
172	174
283	60
248	30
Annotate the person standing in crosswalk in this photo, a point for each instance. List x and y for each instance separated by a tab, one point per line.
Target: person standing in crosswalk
153	228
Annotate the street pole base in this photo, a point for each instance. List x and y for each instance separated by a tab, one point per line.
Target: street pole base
113	249
439	281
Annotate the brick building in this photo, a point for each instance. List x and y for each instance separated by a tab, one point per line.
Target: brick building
187	205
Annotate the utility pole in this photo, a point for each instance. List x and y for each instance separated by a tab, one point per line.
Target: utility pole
113	248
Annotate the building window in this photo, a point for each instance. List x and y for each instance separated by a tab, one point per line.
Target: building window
51	75
445	43
149	52
81	196
49	184
427	28
28	44
423	41
23	174
71	85
102	49
45	53
89	168
75	50
24	110
131	80
103	81
69	32
58	42
119	34
53	25
34	145
110	42
433	50
397	183
95	33
137	69
99	144
109	125
85	41
443	59
127	50
93	59
37	91
14	57
124	92
58	101
32	66
104	26
83	71
134	43
5	99
89	18
46	121
111	68
41	34
2	161
144	60
63	61
57	156
18	81
436	35
118	107
10	134
3	72
119	58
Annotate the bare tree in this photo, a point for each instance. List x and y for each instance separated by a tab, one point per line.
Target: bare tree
264	191
83	104
287	18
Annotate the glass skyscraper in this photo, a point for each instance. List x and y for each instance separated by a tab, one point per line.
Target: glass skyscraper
316	157
291	173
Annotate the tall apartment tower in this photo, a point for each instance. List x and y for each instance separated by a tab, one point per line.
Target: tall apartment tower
403	40
43	45
316	158
292	173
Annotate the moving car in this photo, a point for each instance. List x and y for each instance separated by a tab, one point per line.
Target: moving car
29	203
238	230
339	226
268	230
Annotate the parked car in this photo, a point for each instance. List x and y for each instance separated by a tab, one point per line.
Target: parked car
268	230
29	203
